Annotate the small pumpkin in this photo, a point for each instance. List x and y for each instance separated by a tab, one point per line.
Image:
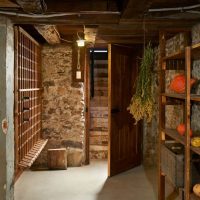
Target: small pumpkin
178	83
196	190
195	141
181	130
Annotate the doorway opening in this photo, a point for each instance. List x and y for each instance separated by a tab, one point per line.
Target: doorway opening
98	132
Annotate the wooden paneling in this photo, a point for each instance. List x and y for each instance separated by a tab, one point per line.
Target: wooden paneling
27	97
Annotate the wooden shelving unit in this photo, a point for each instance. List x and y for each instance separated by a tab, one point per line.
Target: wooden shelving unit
186	56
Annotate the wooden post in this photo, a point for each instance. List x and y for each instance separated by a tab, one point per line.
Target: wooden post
161	177
87	107
187	122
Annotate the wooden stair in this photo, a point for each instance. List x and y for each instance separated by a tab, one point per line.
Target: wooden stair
99	112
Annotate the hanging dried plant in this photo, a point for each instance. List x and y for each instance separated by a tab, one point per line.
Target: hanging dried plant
141	105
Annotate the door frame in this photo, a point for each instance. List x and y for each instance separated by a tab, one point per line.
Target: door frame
87	105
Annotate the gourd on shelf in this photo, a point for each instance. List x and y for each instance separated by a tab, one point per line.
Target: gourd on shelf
178	83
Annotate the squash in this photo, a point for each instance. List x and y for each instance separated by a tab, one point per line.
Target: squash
196	190
195	141
181	129
178	83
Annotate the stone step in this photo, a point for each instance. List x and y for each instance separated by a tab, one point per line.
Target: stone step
101	66
100	73
99	122
103	82
99	140
99	87
98	155
99	114
99	102
101	93
105	79
101	62
99	98
99	129
98	133
98	147
100	70
99	108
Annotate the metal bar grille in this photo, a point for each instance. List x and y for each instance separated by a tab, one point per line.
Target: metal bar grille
27	95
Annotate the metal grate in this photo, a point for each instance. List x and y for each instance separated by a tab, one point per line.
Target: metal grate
27	96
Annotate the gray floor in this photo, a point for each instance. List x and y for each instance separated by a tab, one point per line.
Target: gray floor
87	183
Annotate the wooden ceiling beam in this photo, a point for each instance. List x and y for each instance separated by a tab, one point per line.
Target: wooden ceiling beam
126	41
49	33
31	6
70	20
90	35
80	5
8	4
135	9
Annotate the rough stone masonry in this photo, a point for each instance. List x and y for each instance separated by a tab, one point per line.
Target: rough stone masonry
62	104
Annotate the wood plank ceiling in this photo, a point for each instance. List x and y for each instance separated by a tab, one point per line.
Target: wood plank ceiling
117	21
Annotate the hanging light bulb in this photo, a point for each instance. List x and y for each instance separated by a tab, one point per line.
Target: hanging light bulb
80	41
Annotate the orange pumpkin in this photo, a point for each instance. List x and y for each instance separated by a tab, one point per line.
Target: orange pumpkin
181	130
178	83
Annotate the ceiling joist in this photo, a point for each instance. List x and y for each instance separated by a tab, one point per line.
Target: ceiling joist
90	35
32	6
49	33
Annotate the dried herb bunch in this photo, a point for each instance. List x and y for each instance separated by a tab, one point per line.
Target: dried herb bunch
141	106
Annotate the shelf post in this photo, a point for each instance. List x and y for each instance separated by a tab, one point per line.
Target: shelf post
187	122
162	66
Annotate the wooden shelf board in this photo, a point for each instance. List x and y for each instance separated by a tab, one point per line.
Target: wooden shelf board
196	46
193	97
194	197
177	96
174	135
195	149
28	160
195	49
177	55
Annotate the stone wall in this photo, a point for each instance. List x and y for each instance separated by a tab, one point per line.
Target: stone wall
196	89
196	106
63	105
150	131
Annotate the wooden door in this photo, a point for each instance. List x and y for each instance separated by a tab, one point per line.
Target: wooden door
124	137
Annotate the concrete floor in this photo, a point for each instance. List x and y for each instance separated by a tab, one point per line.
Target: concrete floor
87	183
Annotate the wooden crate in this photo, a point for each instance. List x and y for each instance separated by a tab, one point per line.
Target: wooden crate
172	164
57	158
